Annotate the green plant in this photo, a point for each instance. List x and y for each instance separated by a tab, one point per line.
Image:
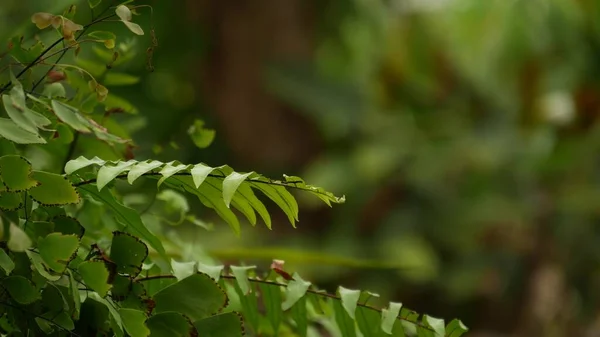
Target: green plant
78	260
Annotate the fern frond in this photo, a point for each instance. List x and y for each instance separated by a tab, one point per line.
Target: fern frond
217	187
297	305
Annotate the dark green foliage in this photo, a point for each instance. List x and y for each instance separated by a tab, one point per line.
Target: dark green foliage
92	266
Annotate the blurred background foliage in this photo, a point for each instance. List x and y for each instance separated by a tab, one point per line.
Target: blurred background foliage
464	134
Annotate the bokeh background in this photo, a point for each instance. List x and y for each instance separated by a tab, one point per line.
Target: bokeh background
464	134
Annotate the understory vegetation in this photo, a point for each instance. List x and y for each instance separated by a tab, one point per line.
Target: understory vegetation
78	256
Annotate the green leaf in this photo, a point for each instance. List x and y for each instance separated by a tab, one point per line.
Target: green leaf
436	324
54	90
16	173
199	173
369	322
21	289
37	262
244	191
6	262
388	317
116	79
231	184
128	253
300	316
25	56
95	275
134	27
102	35
57	250
94	3
169	169
125	215
133	322
182	270
10	201
18	241
70	116
74	292
344	322
241	276
272	300
282	198
107	173
213	271
81	162
53	190
210	195
114	314
228	324
249	303
196	296
11	131
169	324
142	168
201	137
349	300
68	225
456	328
294	291
17	115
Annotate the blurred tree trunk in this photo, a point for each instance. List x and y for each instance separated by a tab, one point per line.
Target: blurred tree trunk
245	35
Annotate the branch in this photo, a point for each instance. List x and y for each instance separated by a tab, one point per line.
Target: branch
37	59
311	291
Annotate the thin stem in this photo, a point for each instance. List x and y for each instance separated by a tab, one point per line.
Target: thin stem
72	148
45	51
273	283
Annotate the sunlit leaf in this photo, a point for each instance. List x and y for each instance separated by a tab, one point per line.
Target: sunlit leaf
133	322
16	173
241	276
81	162
388	317
12	132
196	296
57	250
18	241
95	275
294	291
349	300
70	116
134	27
456	328
169	170
17	115
142	168
108	173
213	271
182	270
53	190
231	184
201	136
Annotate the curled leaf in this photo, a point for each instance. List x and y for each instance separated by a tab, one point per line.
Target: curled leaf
42	20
